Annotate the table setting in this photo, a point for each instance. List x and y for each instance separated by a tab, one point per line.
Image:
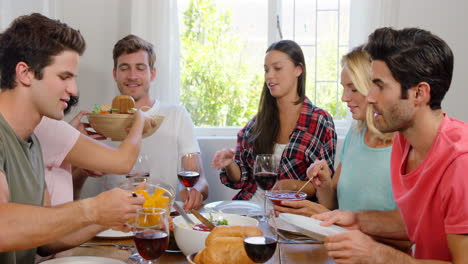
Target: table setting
285	238
293	246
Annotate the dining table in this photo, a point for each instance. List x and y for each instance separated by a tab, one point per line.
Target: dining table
296	252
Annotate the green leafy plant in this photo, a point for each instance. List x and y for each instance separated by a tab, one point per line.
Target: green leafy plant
216	88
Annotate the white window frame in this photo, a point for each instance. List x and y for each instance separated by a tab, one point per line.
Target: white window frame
274	7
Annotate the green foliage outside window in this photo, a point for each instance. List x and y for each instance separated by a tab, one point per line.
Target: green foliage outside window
215	88
219	90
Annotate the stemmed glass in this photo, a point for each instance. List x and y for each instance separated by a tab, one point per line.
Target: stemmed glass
150	186
260	249
141	168
189	170
151	233
265	175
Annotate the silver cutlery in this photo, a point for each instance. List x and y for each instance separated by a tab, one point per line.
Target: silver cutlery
299	241
296	240
184	215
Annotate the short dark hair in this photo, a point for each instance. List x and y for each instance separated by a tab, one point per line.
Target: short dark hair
414	55
131	44
35	39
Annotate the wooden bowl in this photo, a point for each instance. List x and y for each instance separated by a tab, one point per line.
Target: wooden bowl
115	126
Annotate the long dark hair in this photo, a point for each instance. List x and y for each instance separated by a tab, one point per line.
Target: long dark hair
267	122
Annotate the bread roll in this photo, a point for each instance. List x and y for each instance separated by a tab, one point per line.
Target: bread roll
226	250
123	104
225	244
233	231
199	256
106	108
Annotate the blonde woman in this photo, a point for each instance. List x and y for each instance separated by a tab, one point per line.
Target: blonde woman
362	178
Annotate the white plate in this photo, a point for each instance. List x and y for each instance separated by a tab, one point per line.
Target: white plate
234	207
109	233
311	227
83	260
283	225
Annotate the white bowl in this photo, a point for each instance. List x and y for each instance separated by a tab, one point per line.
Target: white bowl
190	241
191	258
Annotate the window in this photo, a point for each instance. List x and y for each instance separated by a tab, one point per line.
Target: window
223	44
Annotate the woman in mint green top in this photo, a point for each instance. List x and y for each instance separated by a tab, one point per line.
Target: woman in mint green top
364	182
362	178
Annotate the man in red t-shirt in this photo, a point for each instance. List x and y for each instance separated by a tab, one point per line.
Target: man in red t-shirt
411	71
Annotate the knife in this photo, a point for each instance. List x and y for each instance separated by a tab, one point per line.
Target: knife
183	214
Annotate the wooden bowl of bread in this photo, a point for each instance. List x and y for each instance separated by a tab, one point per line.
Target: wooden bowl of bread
225	244
113	121
190	241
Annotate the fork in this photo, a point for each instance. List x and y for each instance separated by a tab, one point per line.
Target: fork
297	240
119	246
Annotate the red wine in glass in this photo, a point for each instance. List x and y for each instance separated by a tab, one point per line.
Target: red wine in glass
188	178
151	244
265	180
260	248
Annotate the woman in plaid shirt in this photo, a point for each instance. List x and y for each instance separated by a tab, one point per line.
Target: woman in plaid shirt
287	125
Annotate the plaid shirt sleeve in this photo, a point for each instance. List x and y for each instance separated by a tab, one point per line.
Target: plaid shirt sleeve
313	138
245	159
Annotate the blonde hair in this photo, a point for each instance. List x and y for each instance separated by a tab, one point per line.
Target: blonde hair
358	63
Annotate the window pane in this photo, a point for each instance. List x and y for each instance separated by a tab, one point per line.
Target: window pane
327	4
328	98
223	45
287	19
305	22
344	22
327	46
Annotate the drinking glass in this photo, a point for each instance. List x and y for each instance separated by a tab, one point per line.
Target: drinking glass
141	168
265	175
150	185
190	168
260	249
151	233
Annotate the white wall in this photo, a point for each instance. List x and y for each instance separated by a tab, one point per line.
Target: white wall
102	24
447	19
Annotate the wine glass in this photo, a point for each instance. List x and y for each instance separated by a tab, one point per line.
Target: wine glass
260	249
190	168
141	168
265	175
151	233
150	185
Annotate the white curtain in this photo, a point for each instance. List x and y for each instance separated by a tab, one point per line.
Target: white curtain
368	15
156	22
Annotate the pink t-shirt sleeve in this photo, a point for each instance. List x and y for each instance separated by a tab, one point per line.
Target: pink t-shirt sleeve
57	138
454	186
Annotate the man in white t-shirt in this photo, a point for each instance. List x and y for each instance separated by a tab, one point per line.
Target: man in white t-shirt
134	69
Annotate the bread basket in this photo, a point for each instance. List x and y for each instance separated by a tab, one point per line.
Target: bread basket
115	126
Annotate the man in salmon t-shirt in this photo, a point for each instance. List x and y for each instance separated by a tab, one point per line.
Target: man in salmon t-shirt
411	71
